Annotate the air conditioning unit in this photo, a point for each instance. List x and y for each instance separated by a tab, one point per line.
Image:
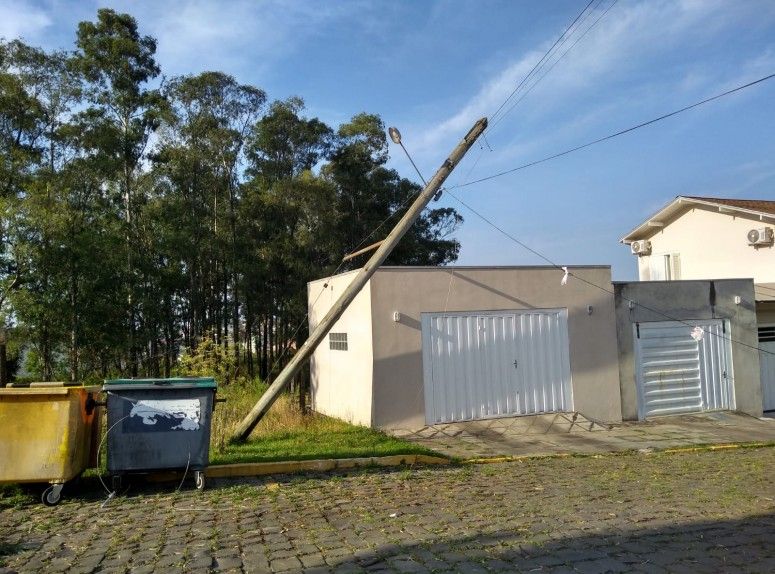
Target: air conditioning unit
760	236
642	247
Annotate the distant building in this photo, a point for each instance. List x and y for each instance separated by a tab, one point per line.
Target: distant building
715	238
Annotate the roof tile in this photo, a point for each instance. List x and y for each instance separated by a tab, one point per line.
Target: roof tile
762	205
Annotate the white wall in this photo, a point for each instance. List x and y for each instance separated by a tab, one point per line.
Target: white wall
341	381
712	245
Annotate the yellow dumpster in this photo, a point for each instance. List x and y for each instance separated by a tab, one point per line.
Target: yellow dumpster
48	433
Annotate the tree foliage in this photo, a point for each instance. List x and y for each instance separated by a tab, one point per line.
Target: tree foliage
150	227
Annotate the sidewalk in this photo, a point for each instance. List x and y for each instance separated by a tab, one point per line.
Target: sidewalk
572	433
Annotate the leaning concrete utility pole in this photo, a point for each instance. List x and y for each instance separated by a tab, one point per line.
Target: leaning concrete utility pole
388	244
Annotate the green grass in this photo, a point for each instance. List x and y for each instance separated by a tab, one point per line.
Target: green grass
285	433
12	495
331	439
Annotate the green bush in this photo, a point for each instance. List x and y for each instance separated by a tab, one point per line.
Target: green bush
207	359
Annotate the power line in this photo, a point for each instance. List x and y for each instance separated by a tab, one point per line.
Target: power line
590	283
557	61
619	133
544	57
569	31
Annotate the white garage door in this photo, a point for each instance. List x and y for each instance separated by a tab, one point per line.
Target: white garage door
489	364
677	373
767	361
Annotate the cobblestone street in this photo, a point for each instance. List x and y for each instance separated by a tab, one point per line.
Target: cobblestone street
681	512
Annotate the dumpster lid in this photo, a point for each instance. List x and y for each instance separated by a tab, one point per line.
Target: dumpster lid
48	389
179	382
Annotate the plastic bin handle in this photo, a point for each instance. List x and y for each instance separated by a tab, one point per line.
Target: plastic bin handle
91	404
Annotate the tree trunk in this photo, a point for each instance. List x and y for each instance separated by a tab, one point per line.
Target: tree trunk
169	340
225	315
3	359
272	343
264	347
73	322
154	359
45	351
249	341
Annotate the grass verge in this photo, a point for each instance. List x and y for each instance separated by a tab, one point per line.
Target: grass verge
285	433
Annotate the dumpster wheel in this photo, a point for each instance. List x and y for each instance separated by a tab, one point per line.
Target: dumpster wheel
116	481
199	478
52	495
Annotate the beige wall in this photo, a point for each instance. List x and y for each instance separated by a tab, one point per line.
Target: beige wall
712	245
341	381
398	373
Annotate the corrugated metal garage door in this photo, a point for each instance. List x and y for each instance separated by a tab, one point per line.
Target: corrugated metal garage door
489	364
767	361
678	374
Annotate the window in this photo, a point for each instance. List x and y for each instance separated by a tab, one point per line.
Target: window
767	334
337	341
665	267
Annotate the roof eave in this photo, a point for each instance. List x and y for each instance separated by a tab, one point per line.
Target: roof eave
655	220
639	231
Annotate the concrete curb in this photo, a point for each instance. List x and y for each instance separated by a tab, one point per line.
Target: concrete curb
645	451
294	466
725	446
288	467
517	458
325	465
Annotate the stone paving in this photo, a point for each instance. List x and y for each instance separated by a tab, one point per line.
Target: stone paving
708	511
572	433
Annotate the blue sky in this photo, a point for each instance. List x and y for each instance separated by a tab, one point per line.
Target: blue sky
431	68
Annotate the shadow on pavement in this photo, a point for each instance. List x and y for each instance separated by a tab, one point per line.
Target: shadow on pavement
710	546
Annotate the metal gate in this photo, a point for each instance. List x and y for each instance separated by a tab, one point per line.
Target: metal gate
767	364
683	368
488	364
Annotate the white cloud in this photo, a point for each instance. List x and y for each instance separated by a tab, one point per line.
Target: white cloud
238	37
619	43
18	20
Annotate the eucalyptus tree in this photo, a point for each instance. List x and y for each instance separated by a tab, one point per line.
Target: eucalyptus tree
287	217
48	88
201	158
20	130
118	63
138	216
21	122
369	196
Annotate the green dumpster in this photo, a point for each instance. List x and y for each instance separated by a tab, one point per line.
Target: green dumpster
159	424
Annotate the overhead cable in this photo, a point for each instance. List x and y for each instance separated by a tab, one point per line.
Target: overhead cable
616	134
557	61
564	34
568	273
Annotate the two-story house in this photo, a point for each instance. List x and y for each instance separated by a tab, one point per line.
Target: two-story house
713	238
